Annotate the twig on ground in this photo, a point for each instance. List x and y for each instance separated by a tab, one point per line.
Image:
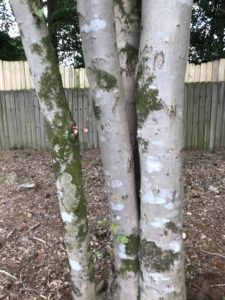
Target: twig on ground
8	274
40	240
218	285
212	253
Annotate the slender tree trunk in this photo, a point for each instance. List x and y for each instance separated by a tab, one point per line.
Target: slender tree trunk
103	69
127	20
160	76
63	139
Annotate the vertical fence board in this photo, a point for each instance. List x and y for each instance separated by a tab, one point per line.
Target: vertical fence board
190	97
195	116
4	122
85	118
185	114
37	120
201	115
219	115
213	116
2	85
2	138
215	70
208	104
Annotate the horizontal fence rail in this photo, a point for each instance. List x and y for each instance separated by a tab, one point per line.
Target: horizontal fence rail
15	75
22	123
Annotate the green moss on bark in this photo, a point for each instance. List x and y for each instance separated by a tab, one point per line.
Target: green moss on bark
155	259
147	98
131	54
172	227
129	265
37	49
105	80
132	246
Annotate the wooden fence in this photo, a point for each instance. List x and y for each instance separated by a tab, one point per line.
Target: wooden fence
204	116
16	76
22	123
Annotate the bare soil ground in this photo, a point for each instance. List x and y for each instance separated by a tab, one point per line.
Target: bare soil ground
33	261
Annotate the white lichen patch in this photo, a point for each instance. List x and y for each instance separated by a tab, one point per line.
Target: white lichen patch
66	217
50	114
153	164
57	148
169	206
67	190
118	218
117	207
116	184
122	251
157	197
157	143
159	222
158	277
152	87
94	25
75	265
176	245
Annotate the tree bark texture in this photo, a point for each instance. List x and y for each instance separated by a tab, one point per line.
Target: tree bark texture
127	21
103	70
160	76
63	139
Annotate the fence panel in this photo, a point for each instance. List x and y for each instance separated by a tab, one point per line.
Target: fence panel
22	123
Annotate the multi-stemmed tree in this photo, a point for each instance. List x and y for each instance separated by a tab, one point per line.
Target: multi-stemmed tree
135	56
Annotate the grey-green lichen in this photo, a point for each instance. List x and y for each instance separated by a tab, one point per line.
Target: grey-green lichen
131	53
143	144
129	265
147	97
131	247
155	259
37	49
172	227
97	110
105	80
131	250
131	12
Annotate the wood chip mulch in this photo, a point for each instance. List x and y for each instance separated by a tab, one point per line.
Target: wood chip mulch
33	261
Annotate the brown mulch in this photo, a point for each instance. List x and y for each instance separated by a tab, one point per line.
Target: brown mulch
33	261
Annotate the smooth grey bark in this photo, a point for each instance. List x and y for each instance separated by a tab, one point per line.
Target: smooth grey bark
103	70
127	21
63	139
160	76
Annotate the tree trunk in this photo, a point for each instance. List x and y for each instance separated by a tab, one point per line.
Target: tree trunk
160	77
103	69
127	20
63	139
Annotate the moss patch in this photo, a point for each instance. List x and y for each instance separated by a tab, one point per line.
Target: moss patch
147	100
37	49
129	265
129	15
105	80
155	259
131	54
172	227
131	247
